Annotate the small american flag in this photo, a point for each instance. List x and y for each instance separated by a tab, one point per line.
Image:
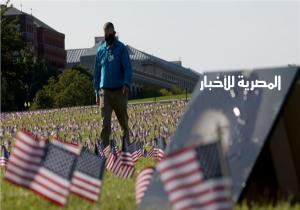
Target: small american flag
112	155
135	148
121	164
99	150
193	179
53	179
4	156
157	151
87	178
106	151
45	168
25	160
142	182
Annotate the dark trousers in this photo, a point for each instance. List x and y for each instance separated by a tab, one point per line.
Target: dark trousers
113	100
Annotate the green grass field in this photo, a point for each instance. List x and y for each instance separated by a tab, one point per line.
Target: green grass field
116	194
161	98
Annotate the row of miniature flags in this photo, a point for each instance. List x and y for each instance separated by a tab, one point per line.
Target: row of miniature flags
55	169
156	151
192	176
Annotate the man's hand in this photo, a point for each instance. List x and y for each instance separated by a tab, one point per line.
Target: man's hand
97	100
125	90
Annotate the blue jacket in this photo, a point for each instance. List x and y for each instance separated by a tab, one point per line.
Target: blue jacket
112	67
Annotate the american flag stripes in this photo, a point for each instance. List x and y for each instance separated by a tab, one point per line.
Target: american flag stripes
45	168
25	160
87	178
124	170
135	148
124	165
121	163
193	179
142	182
99	150
151	152
4	156
157	151
106	151
113	153
56	171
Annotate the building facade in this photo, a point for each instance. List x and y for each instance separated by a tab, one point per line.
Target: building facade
149	72
46	42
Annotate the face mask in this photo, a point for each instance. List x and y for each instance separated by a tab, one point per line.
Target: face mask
109	39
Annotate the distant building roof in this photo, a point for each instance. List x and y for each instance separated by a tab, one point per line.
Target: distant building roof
93	50
139	55
73	55
177	62
134	54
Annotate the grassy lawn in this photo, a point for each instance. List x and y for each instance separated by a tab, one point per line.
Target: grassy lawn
117	193
160	98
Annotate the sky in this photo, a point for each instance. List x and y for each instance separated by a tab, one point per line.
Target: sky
204	35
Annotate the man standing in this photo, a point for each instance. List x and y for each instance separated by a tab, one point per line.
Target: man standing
112	76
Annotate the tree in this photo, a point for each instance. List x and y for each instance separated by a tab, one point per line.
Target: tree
11	44
73	88
42	100
22	73
165	92
176	90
